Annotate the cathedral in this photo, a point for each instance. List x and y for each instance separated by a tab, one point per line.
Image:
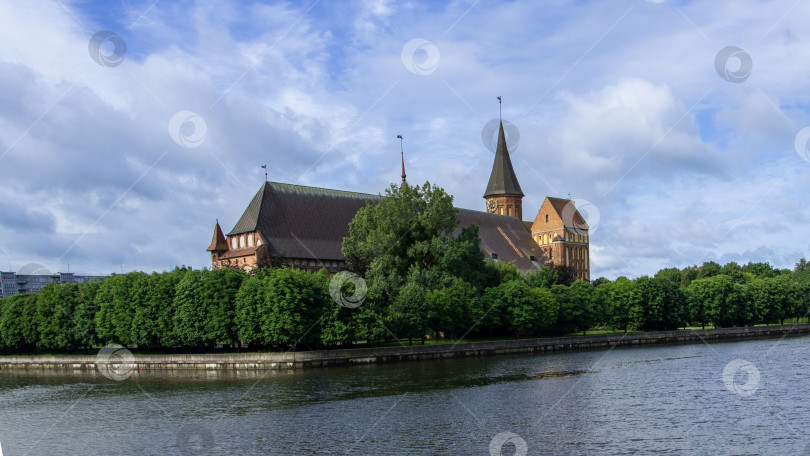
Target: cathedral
303	227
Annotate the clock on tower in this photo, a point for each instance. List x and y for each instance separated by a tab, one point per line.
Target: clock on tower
492	206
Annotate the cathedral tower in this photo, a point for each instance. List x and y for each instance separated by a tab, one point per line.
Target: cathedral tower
503	195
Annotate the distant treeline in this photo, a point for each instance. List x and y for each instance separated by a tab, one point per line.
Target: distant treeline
281	307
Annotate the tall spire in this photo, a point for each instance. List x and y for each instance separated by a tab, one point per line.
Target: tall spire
503	180
402	153
218	243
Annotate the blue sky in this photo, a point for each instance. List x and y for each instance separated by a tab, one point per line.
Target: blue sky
619	104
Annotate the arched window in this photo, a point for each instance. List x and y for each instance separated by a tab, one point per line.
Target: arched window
250	240
242	241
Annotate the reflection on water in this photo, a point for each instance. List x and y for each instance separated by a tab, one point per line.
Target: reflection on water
662	400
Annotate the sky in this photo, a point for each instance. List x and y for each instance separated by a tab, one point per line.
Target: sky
127	128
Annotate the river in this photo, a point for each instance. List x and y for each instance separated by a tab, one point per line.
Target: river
747	397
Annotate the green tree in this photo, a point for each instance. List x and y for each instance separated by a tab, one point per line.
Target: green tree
117	298
190	316
454	309
576	306
153	321
625	301
406	216
294	300
688	274
249	300
775	299
601	302
408	314
709	269
716	299
205	307
55	307
85	315
662	302
18	324
759	270
513	307
550	275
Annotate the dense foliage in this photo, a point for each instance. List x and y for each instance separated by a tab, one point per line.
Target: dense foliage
422	281
287	307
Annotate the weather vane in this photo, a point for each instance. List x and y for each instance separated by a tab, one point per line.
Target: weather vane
500	106
265	172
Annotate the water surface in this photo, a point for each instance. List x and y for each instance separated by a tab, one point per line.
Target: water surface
659	400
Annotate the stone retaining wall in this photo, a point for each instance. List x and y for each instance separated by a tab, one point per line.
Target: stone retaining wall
356	356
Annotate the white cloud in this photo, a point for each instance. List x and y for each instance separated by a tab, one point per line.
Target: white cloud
617	103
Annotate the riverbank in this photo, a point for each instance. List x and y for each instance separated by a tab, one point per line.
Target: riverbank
359	356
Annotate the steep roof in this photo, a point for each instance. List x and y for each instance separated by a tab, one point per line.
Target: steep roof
297	221
309	222
505	236
568	214
503	180
218	243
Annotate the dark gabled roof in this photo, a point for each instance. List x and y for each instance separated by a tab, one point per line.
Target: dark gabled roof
218	243
308	222
302	222
570	216
505	236
502	181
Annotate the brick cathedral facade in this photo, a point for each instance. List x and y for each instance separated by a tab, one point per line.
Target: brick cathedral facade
304	227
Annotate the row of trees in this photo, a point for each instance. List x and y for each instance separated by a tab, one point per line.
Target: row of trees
421	280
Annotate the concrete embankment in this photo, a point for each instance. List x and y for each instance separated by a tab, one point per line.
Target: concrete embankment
355	356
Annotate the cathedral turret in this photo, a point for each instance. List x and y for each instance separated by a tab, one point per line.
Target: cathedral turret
218	243
503	195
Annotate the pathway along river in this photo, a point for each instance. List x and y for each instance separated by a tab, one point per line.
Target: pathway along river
725	398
